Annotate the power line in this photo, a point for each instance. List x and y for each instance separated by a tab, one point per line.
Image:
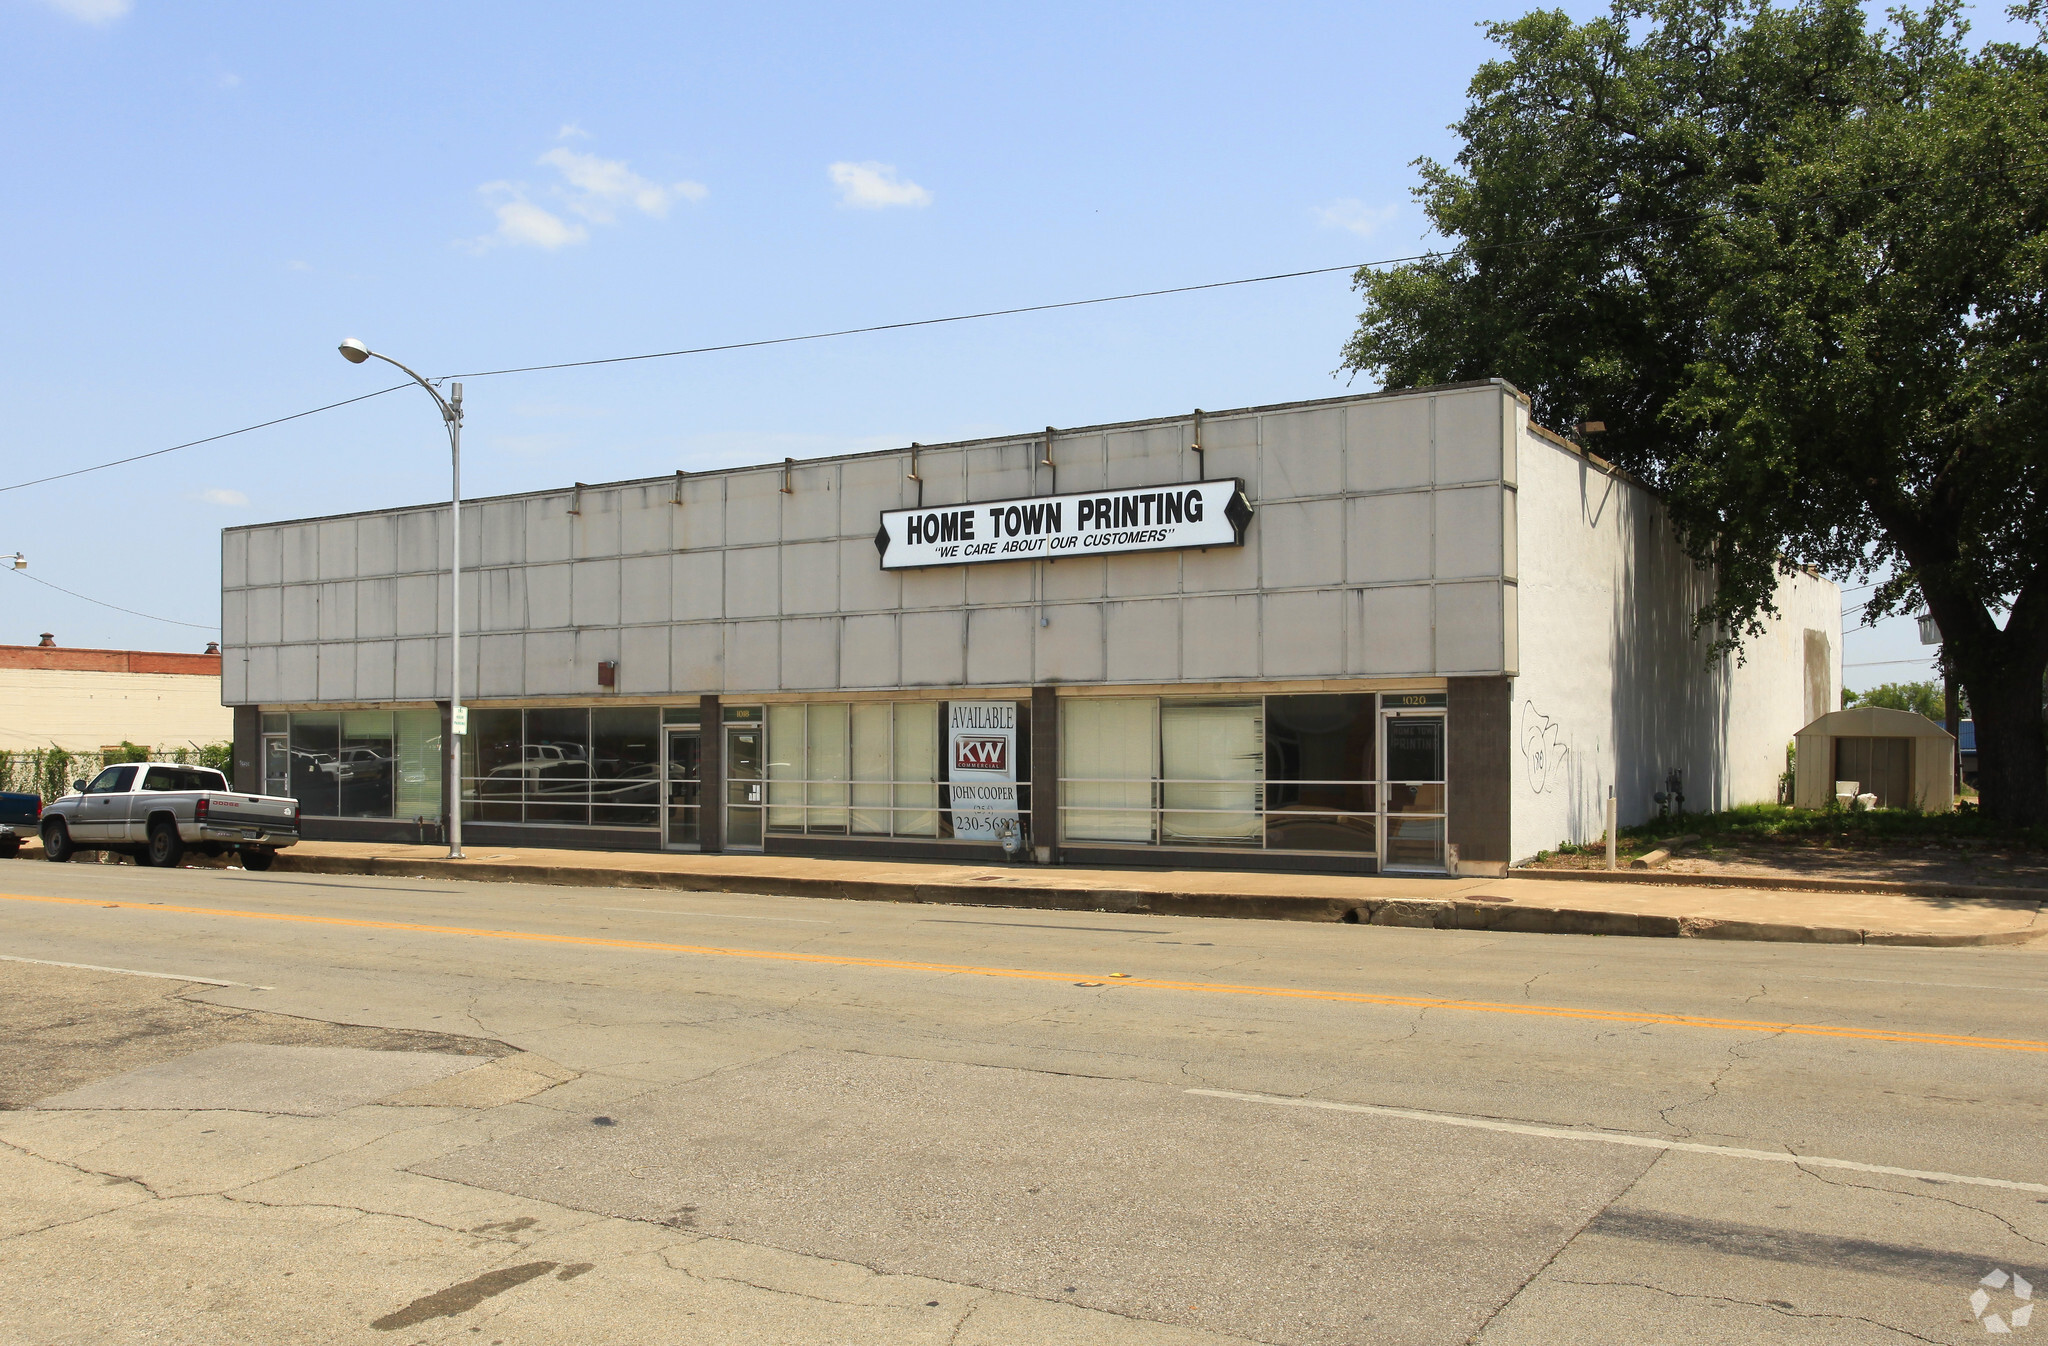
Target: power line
1544	241
958	317
116	607
1880	663
195	443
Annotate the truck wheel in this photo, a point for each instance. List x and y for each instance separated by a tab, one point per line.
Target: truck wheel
166	847
57	841
10	846
258	860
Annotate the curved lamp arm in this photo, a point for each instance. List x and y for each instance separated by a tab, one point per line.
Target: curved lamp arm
355	352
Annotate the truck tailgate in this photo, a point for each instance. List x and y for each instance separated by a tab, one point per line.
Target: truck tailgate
226	810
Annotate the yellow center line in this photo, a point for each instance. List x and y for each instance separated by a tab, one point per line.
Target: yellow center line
1131	983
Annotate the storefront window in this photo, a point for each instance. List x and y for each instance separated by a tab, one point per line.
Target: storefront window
421	754
1319	753
869	769
786	768
625	781
1212	756
916	789
493	766
369	753
1278	772
316	753
825	791
556	766
1111	750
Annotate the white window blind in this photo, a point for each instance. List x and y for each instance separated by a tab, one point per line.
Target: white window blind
1109	749
1212	761
871	766
917	768
827	767
786	767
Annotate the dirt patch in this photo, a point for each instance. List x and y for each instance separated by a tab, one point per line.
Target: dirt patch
61	1028
1898	862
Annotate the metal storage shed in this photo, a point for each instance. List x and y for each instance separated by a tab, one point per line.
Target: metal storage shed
1906	760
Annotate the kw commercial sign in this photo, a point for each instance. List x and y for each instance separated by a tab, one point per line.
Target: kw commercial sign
1150	518
982	737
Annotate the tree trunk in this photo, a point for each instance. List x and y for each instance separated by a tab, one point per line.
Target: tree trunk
2012	746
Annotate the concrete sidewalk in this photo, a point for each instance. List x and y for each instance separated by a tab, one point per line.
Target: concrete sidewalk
1548	905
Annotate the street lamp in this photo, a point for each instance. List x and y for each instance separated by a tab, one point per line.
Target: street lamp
18	561
355	352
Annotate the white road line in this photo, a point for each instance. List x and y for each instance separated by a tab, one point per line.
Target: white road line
1639	1142
133	972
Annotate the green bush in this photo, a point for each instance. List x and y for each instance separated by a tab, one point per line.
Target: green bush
56	774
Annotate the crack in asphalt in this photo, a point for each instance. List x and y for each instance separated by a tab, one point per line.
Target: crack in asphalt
1511	1296
1778	1309
1735	1058
1926	1196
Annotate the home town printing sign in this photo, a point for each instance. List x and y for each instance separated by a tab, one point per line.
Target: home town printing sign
1042	527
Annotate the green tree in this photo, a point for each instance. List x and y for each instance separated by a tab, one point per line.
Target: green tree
1922	698
1795	262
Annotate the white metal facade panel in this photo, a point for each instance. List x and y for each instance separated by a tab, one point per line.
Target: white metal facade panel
723	582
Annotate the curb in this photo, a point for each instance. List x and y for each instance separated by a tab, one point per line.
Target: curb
1766	882
1410	913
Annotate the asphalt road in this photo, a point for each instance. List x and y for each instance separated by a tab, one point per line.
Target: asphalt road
423	1111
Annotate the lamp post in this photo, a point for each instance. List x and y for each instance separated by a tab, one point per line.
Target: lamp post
355	352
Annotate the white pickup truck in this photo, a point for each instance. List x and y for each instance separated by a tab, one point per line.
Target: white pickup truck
155	810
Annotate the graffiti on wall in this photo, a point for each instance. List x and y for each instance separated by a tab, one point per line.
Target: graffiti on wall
1543	748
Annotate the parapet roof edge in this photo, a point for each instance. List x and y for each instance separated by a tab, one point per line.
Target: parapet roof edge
777	466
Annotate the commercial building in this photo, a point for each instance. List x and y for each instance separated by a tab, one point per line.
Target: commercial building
85	700
1396	631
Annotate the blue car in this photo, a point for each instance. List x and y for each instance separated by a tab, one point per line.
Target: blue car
20	815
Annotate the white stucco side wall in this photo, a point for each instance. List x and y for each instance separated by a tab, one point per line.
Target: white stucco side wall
1614	689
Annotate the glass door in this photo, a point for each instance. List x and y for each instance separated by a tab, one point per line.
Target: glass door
1412	791
743	787
277	761
682	783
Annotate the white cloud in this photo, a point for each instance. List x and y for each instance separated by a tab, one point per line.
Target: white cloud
1356	216
520	222
602	184
571	131
228	79
594	189
221	495
873	186
91	11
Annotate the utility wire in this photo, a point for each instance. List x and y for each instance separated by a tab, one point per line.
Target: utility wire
116	607
958	317
1881	663
1543	241
195	443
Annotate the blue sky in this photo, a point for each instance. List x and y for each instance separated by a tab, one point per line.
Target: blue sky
207	197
